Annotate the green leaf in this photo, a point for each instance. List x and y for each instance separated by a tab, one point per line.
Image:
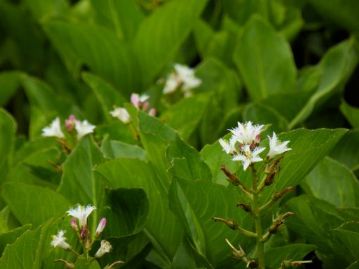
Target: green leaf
43	9
294	103
194	204
46	104
186	162
128	212
78	183
215	157
185	115
348	236
265	60
33	204
24	253
105	93
162	33
7	141
275	256
9	83
44	97
162	226
331	181
343	15
260	113
32	249
155	137
116	149
313	221
83	263
179	204
11	236
346	150
96	47
203	33
335	68
222	88
308	148
123	17
351	114
354	265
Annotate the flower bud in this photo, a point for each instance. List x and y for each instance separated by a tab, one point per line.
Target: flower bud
74	225
70	123
101	226
152	112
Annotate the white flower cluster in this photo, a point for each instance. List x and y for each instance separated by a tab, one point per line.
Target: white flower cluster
82	127
80	215
140	102
182	78
244	146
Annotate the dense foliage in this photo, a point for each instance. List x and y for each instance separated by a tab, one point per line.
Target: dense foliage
150	167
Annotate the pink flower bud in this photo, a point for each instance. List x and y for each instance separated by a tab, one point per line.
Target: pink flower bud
152	112
74	225
135	100
70	123
101	226
145	105
84	232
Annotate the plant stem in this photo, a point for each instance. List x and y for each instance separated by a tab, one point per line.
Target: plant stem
258	223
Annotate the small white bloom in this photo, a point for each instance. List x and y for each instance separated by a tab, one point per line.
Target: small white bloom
81	213
183	77
248	156
187	76
228	146
121	114
83	128
247	133
59	240
54	129
171	84
104	248
276	147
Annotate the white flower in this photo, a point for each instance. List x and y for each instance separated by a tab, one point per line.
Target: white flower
247	133
121	114
83	128
248	156
59	240
81	213
228	146
171	84
187	76
183	77
104	248
54	129
276	147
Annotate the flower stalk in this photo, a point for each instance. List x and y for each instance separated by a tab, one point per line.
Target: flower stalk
244	146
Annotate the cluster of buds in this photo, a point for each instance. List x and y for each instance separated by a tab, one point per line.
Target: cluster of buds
243	145
82	128
140	102
182	78
79	223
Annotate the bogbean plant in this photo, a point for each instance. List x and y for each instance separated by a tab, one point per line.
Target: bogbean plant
244	146
74	135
